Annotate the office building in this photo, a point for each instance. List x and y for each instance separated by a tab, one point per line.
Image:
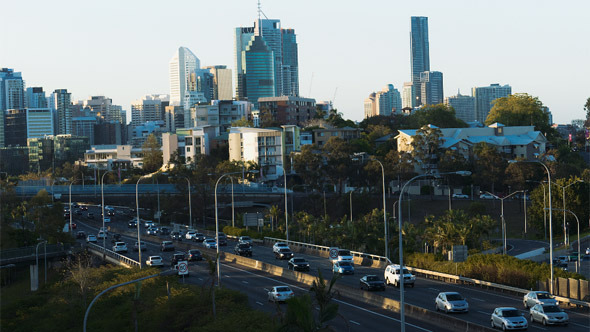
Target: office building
222	82
484	96
14	160
182	64
420	55
259	70
40	122
53	151
62	101
84	126
12	90
270	31
15	127
464	106
148	108
35	98
289	110
110	133
243	36
431	88
388	101
408	95
102	107
290	70
370	105
173	117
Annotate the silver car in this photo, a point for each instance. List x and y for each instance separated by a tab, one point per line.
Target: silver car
508	318
548	314
538	297
451	302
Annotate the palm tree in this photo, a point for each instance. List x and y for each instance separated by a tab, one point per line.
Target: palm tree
273	213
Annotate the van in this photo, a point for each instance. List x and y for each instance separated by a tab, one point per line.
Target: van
392	276
344	255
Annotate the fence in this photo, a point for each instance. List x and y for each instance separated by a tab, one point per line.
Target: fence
120	259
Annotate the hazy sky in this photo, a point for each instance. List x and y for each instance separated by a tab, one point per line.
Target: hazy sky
121	49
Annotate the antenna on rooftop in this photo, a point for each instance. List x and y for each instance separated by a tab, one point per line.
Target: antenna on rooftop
259	19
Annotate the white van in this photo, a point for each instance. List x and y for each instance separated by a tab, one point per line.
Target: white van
344	255
392	276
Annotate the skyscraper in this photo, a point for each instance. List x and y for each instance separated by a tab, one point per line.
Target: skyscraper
464	106
182	64
222	87
62	101
420	54
408	95
388	101
35	98
270	30
290	71
12	90
259	70
148	108
242	39
39	122
431	87
370	106
484	96
103	107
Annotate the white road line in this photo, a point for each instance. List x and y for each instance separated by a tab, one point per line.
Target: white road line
244	281
476	299
359	324
537	327
259	303
485	313
586	326
201	279
346	303
434	289
266	289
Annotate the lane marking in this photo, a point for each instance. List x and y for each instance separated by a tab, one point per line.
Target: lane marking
476	299
259	303
266	289
201	279
359	324
434	289
485	313
586	326
537	327
244	281
339	301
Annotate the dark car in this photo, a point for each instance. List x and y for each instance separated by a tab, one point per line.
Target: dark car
176	236
298	264
284	253
167	246
90	215
164	230
78	212
116	238
83	207
222	239
242	249
132	223
194	255
177	258
372	282
199	237
111	213
80	235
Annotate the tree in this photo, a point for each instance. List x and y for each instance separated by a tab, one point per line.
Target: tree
80	272
426	146
440	115
336	152
152	154
587	109
489	166
520	109
243	122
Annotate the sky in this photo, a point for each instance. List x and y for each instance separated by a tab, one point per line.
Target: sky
347	49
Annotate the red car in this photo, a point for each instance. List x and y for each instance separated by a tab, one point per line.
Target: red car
74	225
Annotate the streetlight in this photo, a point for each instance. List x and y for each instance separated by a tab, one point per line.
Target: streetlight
401	253
164	273
578	221
190	209
102	206
137	210
286	213
502	215
384	210
44	242
70	206
565	242
544	207
217	223
550	213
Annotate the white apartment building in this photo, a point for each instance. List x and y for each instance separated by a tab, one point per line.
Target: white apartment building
220	113
263	146
113	157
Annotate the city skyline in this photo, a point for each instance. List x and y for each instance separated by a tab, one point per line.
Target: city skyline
534	46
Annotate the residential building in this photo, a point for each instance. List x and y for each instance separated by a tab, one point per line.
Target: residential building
370	105
221	113
113	157
35	98
464	106
289	110
40	122
408	95
262	146
196	141
388	101
15	127
324	106
484	96
182	64
420	55
322	135
431	88
148	108
222	82
12	90
62	101
103	107
139	134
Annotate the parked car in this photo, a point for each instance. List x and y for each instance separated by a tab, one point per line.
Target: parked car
136	246
154	261
548	314
298	264
486	196
222	239
190	234
164	230
508	318
84	207
176	236
243	249
80	235
278	246
538	297
245	239
451	302
177	257
120	247
90	215
372	282
343	268
91	238
392	276
153	230
167	246
199	237
587	251
210	244
460	196
284	253
280	294
111	212
194	255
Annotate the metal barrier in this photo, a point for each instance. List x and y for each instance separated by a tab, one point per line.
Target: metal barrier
123	259
27	253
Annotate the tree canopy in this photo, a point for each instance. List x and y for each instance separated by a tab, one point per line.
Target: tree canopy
440	115
520	109
152	154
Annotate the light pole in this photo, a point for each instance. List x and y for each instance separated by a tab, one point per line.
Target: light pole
544	207
190	209
138	221
70	206
44	242
401	252
102	206
577	221
565	241
550	214
502	216
286	212
384	210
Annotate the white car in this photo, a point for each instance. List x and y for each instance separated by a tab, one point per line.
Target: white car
245	239
280	294
154	261
460	196
91	238
101	235
548	315
210	243
486	196
392	276
451	302
278	246
190	235
120	247
148	223
107	220
344	255
508	319
538	297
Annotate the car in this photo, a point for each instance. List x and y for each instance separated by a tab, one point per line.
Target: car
75	205
563	259
190	234
116	237
222	239
451	302
279	245
153	230
245	239
176	236
164	230
132	224
194	255
298	264
84	207
563	266
154	261
210	244
78	212
120	247
67	215
344	255
90	215
177	257
91	238
486	196
199	237
80	235
587	251
284	253
74	226
111	212
343	267
392	276
167	246
460	196
280	294
538	297
101	235
508	318
107	219
243	249
104	229
371	282
548	314
136	246
147	223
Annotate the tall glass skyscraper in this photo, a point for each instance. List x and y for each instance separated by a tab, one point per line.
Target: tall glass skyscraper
484	96
420	54
182	64
243	37
62	104
270	30
259	66
431	87
290	63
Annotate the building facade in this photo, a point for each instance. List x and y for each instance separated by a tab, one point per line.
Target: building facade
420	55
15	127
113	157
12	90
243	36
484	96
431	88
222	82
40	122
182	64
464	106
148	108
388	101
290	70
62	104
35	98
289	110
263	146
370	105
258	61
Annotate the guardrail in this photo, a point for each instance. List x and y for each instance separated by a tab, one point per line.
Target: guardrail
14	255
123	260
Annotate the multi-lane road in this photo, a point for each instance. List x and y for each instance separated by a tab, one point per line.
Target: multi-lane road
359	316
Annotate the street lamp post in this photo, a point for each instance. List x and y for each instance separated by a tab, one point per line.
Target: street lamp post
138	221
565	241
384	210
578	222
401	252
70	206
190	209
102	206
286	207
502	216
544	207
44	242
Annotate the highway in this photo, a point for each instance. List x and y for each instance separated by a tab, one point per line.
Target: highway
482	302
